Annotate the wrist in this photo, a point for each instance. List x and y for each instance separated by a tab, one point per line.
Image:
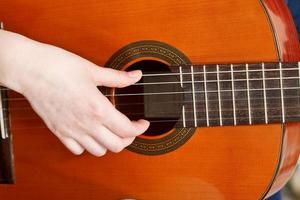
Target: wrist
16	53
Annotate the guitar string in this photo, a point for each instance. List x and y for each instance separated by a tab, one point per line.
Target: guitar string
208	72
207	81
163	121
199	81
179	120
215	72
215	100
178	102
213	81
175	113
172	93
147	75
178	113
168	102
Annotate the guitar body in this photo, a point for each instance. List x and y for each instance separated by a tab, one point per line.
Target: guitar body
242	162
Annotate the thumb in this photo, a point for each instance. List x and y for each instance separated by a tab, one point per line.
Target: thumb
114	78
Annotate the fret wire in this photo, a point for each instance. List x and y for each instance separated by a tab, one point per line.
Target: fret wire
181	81
248	96
233	94
205	94
183	116
264	91
281	94
183	108
194	99
219	96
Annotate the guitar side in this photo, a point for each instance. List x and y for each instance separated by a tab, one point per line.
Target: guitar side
288	50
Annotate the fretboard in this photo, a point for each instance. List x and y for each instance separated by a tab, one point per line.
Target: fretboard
239	94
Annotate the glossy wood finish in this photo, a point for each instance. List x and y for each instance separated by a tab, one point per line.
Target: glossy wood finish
289	50
284	30
216	163
289	157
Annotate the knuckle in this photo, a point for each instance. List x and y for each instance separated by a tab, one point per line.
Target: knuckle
125	131
121	75
84	138
129	133
96	110
123	134
53	129
129	141
59	131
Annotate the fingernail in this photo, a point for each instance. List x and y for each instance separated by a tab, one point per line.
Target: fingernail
135	73
146	121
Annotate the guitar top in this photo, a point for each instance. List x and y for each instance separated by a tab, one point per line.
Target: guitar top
220	86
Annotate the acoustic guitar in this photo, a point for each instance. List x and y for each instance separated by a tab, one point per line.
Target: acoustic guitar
220	87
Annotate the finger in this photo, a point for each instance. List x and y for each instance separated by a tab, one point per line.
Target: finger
72	145
116	121
128	141
115	78
90	145
119	124
111	141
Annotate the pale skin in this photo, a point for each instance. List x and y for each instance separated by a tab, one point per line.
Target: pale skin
62	89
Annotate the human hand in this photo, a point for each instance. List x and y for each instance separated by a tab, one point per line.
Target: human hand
61	87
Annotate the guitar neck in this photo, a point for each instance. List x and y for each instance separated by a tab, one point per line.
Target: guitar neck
239	94
230	94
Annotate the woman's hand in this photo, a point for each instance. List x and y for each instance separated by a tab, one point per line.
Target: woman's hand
62	89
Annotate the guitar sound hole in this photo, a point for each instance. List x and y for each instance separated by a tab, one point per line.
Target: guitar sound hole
150	100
